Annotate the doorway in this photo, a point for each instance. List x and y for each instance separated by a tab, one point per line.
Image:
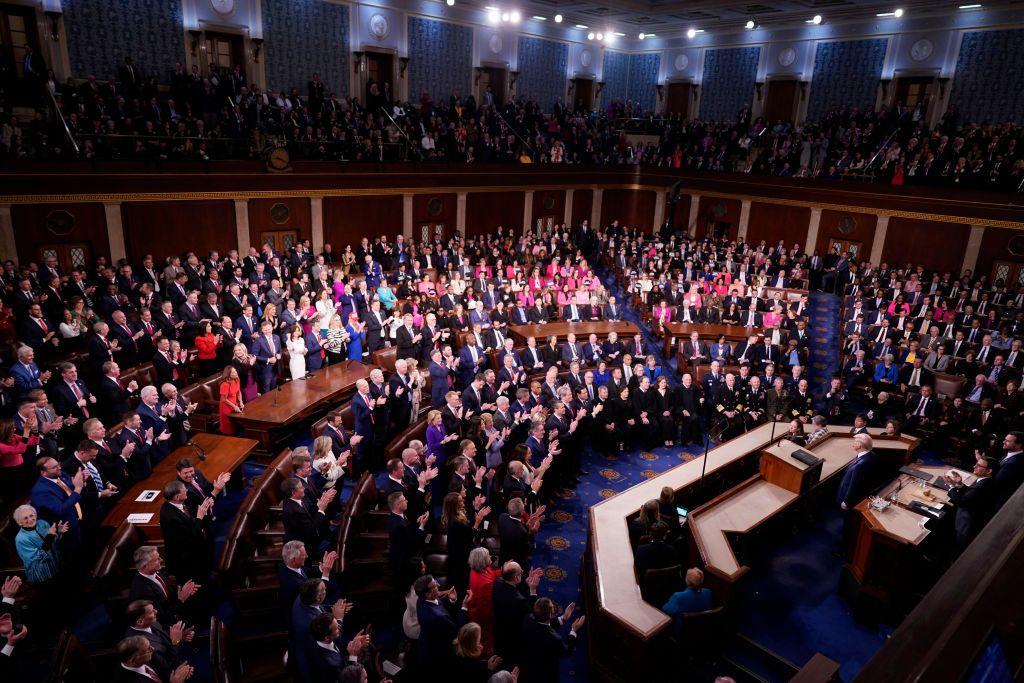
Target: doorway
281	241
678	99
912	90
783	95
225	50
379	72
430	232
583	94
1009	272
493	77
838	246
70	256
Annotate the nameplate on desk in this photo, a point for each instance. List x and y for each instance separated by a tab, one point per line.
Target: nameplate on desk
922	509
140	518
805	457
147	496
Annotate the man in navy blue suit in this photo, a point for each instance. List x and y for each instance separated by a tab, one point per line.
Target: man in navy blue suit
439	376
57	497
267	349
439	620
862	475
472	359
248	325
292	573
362	410
26	373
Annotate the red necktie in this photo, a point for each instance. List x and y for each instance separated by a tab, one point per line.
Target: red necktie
163	586
78	396
43	326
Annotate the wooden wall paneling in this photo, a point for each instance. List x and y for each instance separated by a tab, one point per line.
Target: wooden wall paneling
485	211
549	203
995	246
714	211
165	228
288	213
682	215
39	225
847	226
435	208
629	207
774	222
582	206
347	220
933	244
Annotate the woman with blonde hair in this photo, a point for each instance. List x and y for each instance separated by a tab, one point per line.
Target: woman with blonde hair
415	386
467	667
324	461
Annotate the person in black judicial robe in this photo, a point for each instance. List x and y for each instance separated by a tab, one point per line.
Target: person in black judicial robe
975	504
664	406
688	410
185	538
643	402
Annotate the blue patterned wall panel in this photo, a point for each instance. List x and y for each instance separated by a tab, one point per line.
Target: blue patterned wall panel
616	77
101	32
846	75
727	85
440	59
988	78
643	79
542	70
302	37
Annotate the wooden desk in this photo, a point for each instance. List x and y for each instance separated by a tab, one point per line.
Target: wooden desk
677	331
268	418
624	626
223	454
883	550
582	330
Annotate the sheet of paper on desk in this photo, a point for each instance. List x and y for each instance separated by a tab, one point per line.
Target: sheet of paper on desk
147	496
140	518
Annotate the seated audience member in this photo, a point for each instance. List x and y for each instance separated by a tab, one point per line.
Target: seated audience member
39	546
695	598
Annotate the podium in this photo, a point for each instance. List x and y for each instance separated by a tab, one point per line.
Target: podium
779	467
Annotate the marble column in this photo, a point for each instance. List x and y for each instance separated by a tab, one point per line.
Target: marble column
316	220
812	231
8	247
691	222
460	213
741	233
115	230
528	211
595	210
568	208
973	247
659	211
407	215
242	225
881	228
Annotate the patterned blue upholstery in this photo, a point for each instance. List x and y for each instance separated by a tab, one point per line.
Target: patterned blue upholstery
846	75
727	85
643	78
303	37
440	59
616	77
989	74
542	70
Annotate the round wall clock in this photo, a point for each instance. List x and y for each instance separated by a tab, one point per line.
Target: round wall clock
223	6
586	58
921	50
379	26
682	61
787	56
495	43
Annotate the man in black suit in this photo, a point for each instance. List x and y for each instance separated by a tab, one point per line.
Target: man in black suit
326	658
1010	473
151	583
301	523
292	573
544	647
657	554
516	537
974	503
97	492
135	654
513	600
197	487
166	643
405	541
921	409
112	394
439	620
185	537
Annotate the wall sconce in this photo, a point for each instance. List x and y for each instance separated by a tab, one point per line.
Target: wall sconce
54	18
195	34
600	87
803	90
943	82
358	54
759	87
884	82
695	91
572	86
403	64
477	72
512	76
661	91
257	47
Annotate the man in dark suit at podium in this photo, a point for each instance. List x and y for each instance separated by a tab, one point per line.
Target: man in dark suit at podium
862	475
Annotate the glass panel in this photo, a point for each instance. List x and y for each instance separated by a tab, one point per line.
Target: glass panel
425	233
287	241
269	239
77	256
1003	271
1020	276
49	253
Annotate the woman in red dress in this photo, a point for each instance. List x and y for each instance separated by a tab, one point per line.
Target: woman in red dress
230	399
481	581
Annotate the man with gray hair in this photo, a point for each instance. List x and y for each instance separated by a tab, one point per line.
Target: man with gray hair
293	572
862	475
151	582
135	654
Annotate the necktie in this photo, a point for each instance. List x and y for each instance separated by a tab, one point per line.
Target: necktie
921	406
67	491
78	397
95	474
162	584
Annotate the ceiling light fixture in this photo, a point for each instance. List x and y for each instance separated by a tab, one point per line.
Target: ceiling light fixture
750	25
898	13
600	36
590	36
539	18
493	15
504	16
691	33
515	16
642	36
558	18
815	20
583	27
975	6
